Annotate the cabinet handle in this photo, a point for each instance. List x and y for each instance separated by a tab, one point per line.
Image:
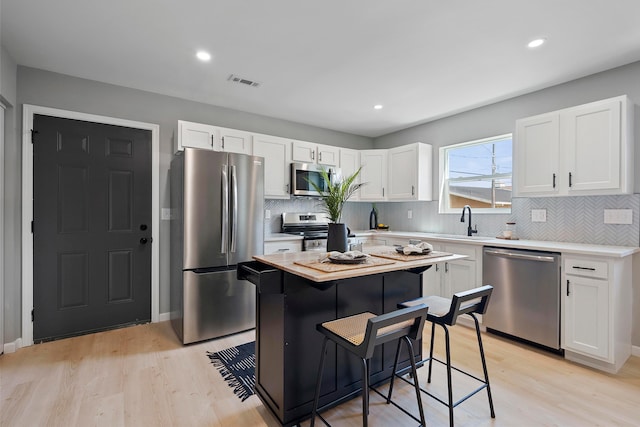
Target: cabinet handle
567	287
554	180
211	140
413	190
286	188
223	142
382	191
437	267
446	267
319	157
583	268
313	155
570	179
283	250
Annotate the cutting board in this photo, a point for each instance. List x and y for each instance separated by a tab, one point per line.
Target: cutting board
402	257
330	267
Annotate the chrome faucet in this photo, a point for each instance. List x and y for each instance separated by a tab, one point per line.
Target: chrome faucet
470	230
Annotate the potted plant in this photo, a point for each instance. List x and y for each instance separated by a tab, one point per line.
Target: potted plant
333	198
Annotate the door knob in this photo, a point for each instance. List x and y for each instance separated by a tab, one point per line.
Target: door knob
143	227
144	240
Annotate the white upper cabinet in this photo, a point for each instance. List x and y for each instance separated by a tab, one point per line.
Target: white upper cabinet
373	174
277	156
410	172
536	154
349	164
233	141
310	152
196	135
584	150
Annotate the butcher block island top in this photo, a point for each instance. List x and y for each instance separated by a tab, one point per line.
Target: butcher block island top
382	259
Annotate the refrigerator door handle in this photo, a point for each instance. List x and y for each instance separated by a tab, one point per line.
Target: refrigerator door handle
225	210
234	219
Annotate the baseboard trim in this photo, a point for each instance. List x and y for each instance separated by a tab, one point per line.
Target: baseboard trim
11	347
635	350
163	317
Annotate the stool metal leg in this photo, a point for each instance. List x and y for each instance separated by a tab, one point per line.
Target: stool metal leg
393	373
365	393
449	385
433	334
318	382
414	371
484	365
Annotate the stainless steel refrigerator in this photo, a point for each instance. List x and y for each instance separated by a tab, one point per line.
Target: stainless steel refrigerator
217	200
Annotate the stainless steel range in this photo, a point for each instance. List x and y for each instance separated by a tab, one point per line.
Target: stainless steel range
312	226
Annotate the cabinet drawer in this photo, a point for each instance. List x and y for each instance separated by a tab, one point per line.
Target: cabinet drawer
282	247
586	268
467	250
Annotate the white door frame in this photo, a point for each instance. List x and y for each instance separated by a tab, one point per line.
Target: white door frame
2	109
27	205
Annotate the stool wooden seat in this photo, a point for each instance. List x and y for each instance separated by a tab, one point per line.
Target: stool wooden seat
445	312
361	333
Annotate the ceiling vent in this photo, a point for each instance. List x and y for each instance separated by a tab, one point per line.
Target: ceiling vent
236	79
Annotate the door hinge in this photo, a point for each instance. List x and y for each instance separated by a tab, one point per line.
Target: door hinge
31	227
33	133
32	310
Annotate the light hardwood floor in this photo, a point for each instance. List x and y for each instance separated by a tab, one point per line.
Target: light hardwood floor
142	376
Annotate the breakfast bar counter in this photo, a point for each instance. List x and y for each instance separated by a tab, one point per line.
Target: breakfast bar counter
295	292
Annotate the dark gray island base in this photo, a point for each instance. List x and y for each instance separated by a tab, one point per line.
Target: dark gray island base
288	346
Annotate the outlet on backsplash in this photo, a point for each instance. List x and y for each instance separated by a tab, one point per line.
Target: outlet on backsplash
538	215
618	216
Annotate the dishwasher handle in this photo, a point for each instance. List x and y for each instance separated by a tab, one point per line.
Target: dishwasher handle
539	258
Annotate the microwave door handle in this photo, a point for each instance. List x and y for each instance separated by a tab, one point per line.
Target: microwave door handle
234	218
225	210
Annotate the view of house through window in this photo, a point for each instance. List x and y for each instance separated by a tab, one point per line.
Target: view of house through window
478	174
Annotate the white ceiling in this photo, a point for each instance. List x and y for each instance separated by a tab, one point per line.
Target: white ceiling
326	63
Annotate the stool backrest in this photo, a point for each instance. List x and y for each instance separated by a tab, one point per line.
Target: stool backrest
471	301
391	326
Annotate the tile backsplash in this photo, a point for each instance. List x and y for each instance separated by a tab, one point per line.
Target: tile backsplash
569	219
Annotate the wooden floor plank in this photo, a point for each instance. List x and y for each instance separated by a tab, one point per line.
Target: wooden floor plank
143	376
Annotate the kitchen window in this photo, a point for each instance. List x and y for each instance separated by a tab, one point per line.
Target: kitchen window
478	174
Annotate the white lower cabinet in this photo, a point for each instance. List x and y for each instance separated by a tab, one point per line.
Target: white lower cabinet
282	246
596	311
449	277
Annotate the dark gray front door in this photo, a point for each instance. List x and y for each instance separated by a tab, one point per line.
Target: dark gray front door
92	226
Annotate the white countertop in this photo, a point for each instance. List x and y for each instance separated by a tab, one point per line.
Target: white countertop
541	245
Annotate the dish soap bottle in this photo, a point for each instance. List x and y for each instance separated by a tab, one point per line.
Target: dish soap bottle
373	218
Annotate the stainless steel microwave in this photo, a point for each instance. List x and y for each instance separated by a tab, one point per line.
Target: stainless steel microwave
303	174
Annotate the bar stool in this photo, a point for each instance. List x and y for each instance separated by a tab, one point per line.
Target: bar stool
445	312
361	333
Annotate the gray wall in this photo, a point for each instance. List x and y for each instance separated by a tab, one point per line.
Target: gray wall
499	118
49	89
11	240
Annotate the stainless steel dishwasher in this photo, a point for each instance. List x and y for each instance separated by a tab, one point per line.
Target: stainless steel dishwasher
525	302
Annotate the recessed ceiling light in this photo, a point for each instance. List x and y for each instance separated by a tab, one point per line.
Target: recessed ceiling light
377	107
536	42
203	56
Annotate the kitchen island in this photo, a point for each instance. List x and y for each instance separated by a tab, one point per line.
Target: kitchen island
294	294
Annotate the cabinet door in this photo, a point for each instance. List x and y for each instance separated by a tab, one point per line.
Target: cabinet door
304	152
277	156
458	276
536	155
403	172
586	323
196	135
373	174
233	141
592	136
349	164
328	155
